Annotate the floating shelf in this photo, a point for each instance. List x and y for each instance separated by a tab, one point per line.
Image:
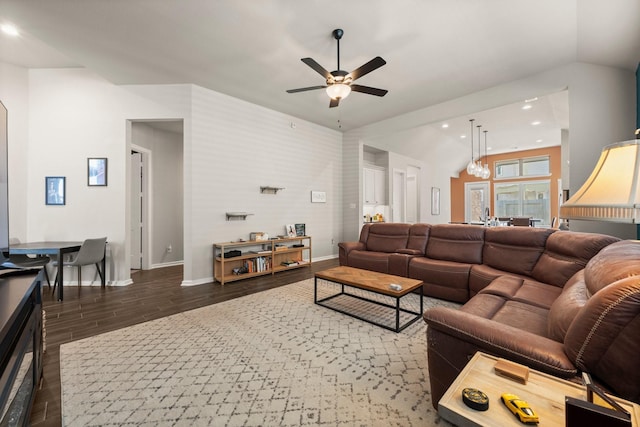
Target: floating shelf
270	190
237	215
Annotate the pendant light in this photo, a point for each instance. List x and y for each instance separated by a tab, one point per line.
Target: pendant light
478	171
471	166
486	172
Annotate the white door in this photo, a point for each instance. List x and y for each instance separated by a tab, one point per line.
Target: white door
476	201
399	196
412	205
136	210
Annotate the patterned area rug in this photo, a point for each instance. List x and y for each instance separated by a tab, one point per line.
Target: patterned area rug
269	359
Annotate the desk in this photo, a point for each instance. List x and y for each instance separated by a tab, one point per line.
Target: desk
53	248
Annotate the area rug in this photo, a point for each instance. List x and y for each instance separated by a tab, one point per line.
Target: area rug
269	359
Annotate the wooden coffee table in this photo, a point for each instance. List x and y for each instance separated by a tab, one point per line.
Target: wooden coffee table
371	281
544	393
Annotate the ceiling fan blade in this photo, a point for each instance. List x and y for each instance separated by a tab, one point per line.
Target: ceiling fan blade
369	90
334	102
317	67
303	89
374	64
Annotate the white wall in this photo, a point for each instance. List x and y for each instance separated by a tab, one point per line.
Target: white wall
231	148
601	105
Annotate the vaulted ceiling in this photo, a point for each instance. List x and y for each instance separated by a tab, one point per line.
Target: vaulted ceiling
436	50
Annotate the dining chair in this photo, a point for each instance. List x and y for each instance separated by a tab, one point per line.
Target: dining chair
92	251
521	221
25	261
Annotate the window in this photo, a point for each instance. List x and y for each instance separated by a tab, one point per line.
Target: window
529	198
535	166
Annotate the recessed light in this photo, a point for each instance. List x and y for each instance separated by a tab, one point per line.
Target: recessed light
536	123
527	107
489	148
538	140
10	30
445	125
463	136
531	99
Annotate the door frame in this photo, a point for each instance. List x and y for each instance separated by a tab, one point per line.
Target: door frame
399	196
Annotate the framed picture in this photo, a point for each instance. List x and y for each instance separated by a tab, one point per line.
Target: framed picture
435	201
291	230
300	230
54	190
318	197
97	171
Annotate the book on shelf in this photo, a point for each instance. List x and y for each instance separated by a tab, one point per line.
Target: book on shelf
289	263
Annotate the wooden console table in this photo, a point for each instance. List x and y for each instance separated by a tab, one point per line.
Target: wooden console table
260	257
544	393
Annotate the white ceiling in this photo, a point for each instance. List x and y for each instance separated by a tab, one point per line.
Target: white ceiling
436	50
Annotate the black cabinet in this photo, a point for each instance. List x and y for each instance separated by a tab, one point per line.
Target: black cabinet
20	346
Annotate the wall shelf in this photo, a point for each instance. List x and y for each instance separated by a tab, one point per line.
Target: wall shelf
237	215
270	190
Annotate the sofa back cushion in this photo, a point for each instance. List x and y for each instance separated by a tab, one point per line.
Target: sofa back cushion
614	262
514	249
566	306
418	236
387	237
456	242
567	252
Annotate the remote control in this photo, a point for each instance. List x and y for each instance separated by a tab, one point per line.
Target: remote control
395	287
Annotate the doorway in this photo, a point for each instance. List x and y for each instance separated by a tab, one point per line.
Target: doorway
477	201
399	195
156	194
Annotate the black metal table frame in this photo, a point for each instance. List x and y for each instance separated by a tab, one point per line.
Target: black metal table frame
397	307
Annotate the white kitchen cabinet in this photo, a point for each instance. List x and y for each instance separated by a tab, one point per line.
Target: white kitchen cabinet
375	188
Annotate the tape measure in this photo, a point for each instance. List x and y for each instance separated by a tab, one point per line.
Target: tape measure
475	399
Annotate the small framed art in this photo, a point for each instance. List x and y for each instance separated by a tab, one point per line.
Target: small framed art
97	171
54	190
318	197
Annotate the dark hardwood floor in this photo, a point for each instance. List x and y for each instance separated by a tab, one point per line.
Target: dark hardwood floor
89	311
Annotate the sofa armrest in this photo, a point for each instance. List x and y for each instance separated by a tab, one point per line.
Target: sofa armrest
409	251
502	340
345	247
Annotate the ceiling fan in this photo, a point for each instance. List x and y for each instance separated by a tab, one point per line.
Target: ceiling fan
339	82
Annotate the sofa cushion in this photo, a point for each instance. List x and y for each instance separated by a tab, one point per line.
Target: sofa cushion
456	242
482	275
523	290
387	237
567	252
442	279
418	236
514	249
369	260
566	306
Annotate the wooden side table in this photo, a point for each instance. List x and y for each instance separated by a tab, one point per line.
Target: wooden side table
544	393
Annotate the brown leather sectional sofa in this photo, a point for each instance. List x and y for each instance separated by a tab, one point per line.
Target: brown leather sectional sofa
560	302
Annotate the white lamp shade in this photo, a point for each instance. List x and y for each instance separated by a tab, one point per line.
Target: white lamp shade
611	193
338	91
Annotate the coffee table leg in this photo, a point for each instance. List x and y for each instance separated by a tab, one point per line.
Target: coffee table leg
315	290
397	314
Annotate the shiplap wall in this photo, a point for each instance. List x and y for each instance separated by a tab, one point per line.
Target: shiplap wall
236	147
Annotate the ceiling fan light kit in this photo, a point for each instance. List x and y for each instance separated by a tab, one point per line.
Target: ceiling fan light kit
339	82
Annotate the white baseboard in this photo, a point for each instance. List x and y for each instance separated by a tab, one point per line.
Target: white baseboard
166	264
